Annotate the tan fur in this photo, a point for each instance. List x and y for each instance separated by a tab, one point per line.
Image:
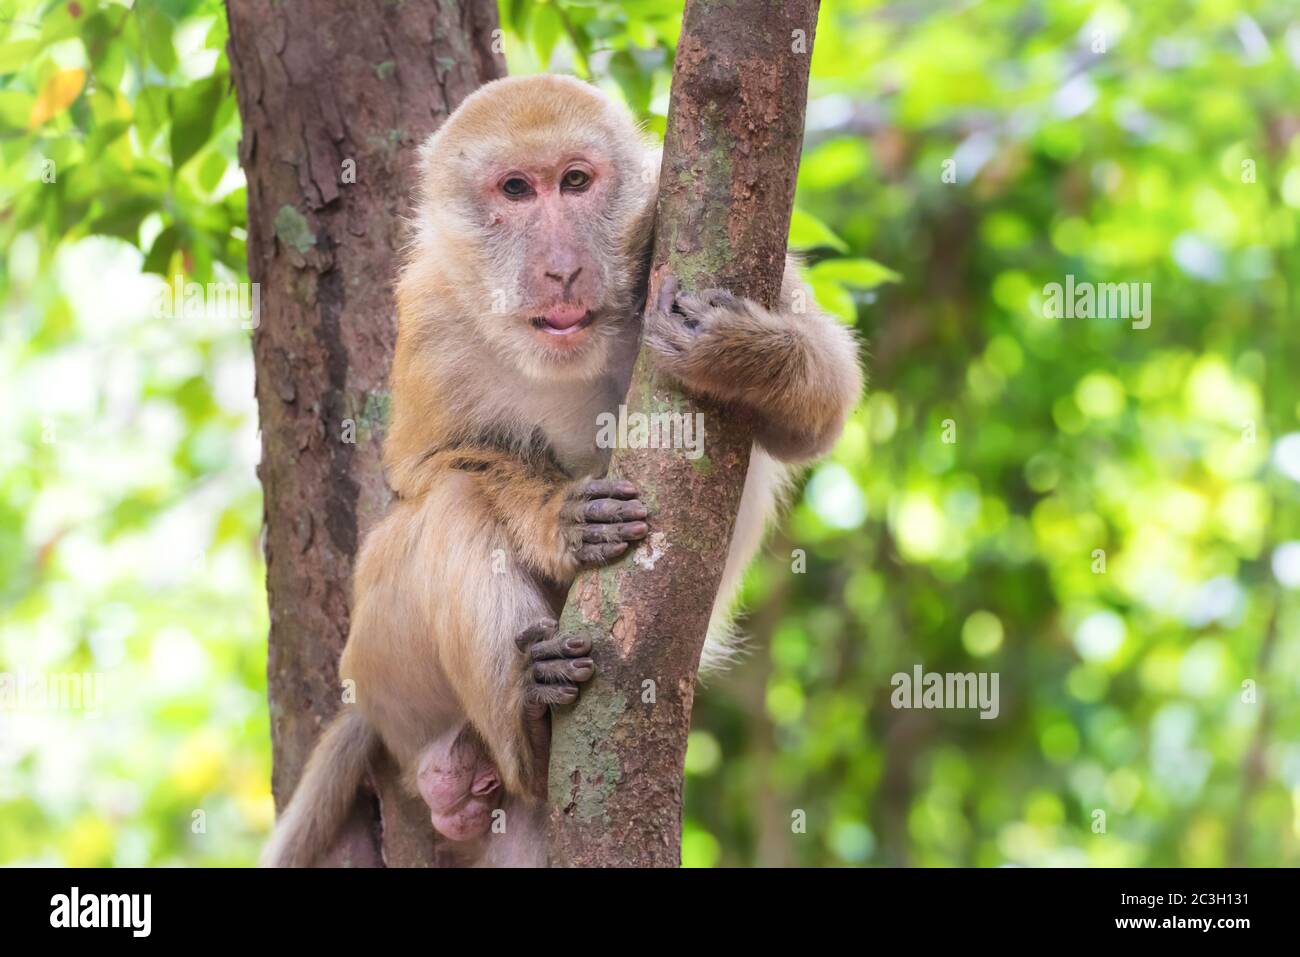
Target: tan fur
493	427
799	371
332	776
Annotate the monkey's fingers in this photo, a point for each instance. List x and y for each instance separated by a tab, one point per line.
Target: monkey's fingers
610	488
551	694
575	646
537	632
601	554
695	303
629	532
672	335
611	510
667	293
563	671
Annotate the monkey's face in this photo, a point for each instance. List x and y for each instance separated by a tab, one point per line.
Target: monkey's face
555	242
533	187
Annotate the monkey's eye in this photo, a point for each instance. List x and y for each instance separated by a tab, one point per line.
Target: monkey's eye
516	187
575	180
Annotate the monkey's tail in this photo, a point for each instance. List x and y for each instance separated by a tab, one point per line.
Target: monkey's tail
325	794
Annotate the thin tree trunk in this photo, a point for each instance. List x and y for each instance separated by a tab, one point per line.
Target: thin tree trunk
334	99
735	127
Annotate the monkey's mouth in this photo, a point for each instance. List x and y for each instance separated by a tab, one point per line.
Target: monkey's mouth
563	320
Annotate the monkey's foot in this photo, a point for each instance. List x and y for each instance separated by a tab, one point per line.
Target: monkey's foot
603	516
556	666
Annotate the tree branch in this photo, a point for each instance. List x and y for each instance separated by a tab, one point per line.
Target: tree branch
735	128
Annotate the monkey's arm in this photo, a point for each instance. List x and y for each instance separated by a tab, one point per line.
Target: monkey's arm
555	524
795	366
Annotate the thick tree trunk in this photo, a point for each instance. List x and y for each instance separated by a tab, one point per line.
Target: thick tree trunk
735	128
334	99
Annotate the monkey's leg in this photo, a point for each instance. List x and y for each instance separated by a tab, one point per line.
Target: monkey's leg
440	596
795	366
444	588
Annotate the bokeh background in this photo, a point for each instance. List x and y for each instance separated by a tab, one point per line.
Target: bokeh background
1107	517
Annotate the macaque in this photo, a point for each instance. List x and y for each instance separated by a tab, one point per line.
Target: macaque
520	312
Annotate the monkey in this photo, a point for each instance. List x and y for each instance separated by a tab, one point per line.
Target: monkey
520	313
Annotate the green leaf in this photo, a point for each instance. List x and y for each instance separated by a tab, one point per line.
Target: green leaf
218	35
109	66
156	31
150	113
211	170
59	23
834	163
14	56
123	219
834	298
194	110
546	29
15	108
103	135
160	253
809	232
635	84
860	273
515	14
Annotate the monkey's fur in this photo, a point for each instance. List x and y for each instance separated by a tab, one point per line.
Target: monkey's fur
519	318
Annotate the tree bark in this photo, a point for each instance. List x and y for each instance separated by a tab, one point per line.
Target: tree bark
334	98
735	128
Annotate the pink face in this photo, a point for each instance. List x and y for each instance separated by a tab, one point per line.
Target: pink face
550	214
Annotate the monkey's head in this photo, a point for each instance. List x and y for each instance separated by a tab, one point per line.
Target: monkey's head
533	192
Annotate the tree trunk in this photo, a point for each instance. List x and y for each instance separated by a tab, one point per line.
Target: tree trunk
735	127
334	99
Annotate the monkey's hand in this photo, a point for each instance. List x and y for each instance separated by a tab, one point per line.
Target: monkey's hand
795	367
693	336
600	518
556	667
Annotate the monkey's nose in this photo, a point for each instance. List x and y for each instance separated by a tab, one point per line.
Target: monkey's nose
562	279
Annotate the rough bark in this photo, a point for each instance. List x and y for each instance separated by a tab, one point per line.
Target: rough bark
735	128
320	83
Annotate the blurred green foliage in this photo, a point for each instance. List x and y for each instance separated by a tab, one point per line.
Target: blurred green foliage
129	508
1106	517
